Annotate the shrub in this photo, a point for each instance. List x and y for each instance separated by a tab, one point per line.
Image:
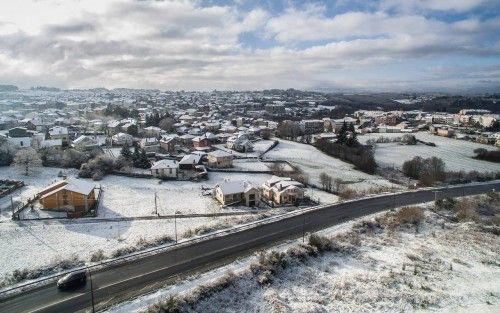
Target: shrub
348	193
320	242
410	215
97	256
171	305
487	155
427	171
100	165
98	175
445	203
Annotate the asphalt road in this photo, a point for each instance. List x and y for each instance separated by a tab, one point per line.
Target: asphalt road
117	283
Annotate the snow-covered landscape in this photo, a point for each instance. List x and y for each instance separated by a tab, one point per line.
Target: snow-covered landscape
32	244
313	162
377	268
456	153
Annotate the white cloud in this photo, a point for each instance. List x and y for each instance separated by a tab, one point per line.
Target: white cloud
183	45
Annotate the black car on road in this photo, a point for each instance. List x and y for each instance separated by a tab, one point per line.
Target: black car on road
72	280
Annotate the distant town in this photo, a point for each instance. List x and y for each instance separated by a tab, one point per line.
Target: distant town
100	175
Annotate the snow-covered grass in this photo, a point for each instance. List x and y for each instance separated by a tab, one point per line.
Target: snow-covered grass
439	266
456	153
35	244
313	162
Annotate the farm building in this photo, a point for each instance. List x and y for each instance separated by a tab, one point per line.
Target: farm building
72	195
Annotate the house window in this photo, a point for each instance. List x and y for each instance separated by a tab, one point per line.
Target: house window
22	143
170	171
157	172
251	197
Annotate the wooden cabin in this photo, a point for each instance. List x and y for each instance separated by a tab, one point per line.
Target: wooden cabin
71	195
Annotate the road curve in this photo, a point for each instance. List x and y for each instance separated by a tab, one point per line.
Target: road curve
117	283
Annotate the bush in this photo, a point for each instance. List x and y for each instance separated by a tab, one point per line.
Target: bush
320	242
348	193
445	203
98	175
98	166
170	305
73	158
487	155
410	215
427	171
97	256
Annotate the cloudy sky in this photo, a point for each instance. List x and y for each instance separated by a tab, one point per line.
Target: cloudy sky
378	45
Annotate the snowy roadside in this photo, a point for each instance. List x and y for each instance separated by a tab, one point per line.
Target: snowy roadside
392	262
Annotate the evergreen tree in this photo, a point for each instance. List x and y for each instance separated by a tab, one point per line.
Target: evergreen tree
353	138
136	156
143	161
125	152
342	136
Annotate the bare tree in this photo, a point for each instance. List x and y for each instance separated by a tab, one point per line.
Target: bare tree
28	160
326	181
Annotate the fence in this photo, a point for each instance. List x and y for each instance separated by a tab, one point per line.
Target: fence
15	184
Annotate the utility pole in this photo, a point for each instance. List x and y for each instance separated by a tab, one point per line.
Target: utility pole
175	226
304	229
12	206
156	206
91	289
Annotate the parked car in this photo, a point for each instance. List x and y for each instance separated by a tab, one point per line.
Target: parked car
72	280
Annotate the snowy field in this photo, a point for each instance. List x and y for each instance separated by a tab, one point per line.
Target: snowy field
259	147
313	162
450	269
181	196
457	154
37	243
257	165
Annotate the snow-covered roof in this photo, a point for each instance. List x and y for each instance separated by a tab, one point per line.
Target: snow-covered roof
51	143
58	130
71	184
165	164
232	187
79	186
190	159
83	138
219	154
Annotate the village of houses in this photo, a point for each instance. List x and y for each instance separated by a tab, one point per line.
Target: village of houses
189	163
